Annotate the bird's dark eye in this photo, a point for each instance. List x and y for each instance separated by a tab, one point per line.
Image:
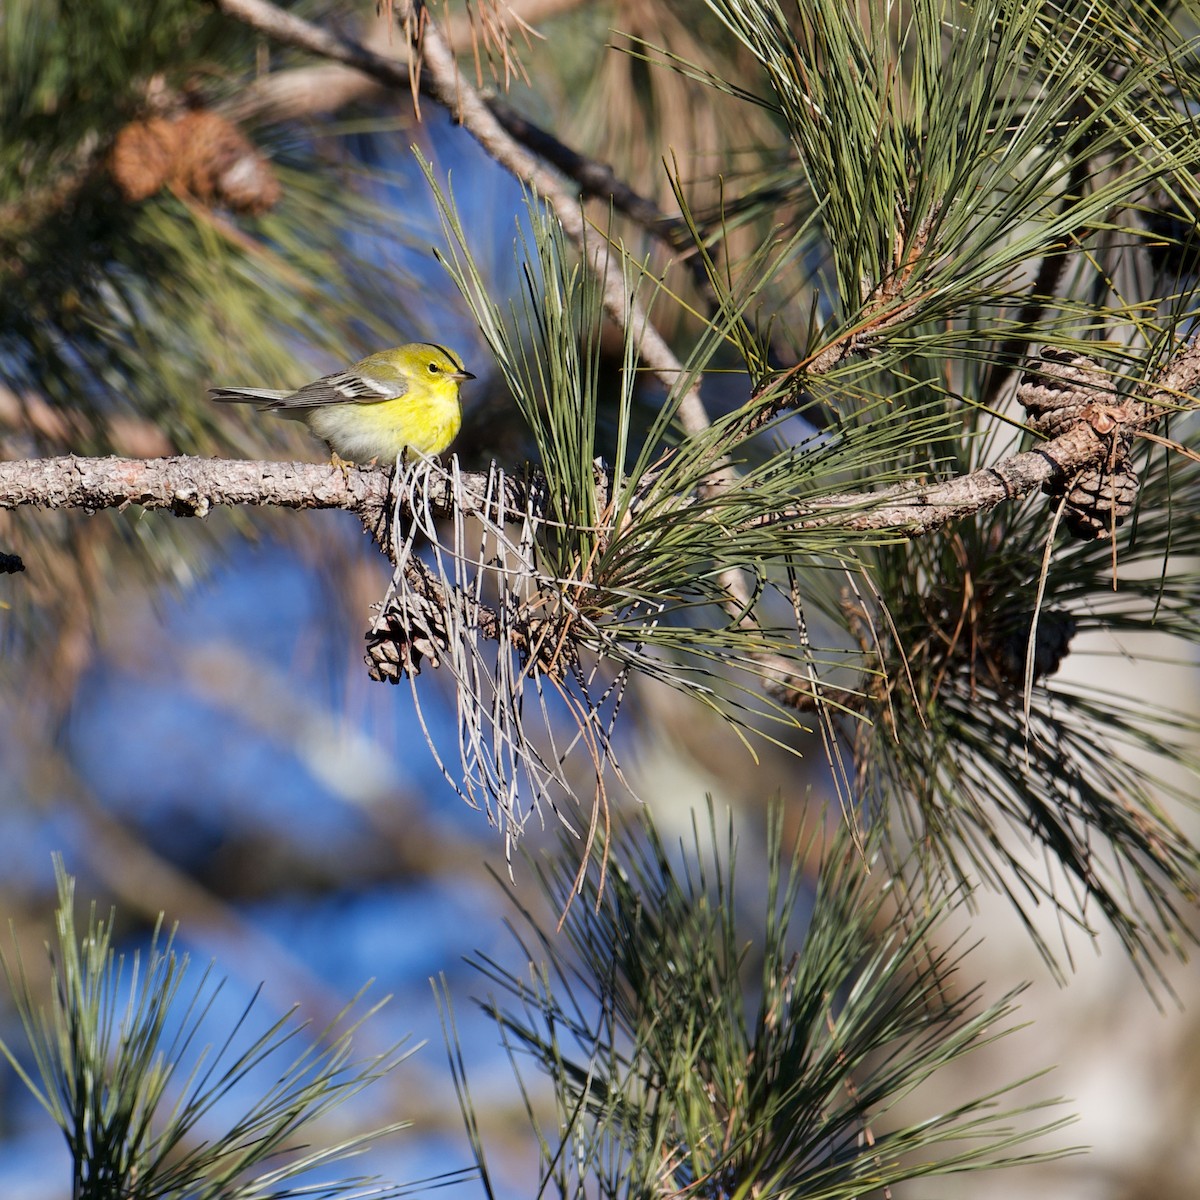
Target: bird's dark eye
434	369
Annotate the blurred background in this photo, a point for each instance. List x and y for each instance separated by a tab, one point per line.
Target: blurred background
185	716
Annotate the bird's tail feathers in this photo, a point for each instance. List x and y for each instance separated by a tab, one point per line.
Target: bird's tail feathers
232	395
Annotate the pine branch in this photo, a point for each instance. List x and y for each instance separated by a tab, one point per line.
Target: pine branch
734	1074
111	1058
189	486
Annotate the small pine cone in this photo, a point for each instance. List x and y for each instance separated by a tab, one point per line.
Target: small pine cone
1101	498
387	660
143	157
1065	390
407	634
218	165
1062	386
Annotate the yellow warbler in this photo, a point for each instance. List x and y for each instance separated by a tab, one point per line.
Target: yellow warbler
396	401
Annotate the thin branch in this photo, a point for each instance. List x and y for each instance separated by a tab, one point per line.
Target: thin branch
327	87
595	178
623	308
917	509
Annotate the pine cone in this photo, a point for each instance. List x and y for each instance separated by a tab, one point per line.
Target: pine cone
200	153
409	632
1068	388
1057	392
1102	497
143	157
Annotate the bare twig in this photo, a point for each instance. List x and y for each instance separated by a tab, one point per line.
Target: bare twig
327	87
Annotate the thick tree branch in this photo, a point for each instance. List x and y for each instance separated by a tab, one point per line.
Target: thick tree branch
187	486
193	487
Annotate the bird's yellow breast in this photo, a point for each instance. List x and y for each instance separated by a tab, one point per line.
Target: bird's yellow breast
424	421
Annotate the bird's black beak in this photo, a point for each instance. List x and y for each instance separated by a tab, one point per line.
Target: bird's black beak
461	375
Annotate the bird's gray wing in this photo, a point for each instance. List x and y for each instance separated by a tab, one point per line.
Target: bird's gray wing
342	387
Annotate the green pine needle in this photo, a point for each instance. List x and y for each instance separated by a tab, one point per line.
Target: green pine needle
110	1050
697	1048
